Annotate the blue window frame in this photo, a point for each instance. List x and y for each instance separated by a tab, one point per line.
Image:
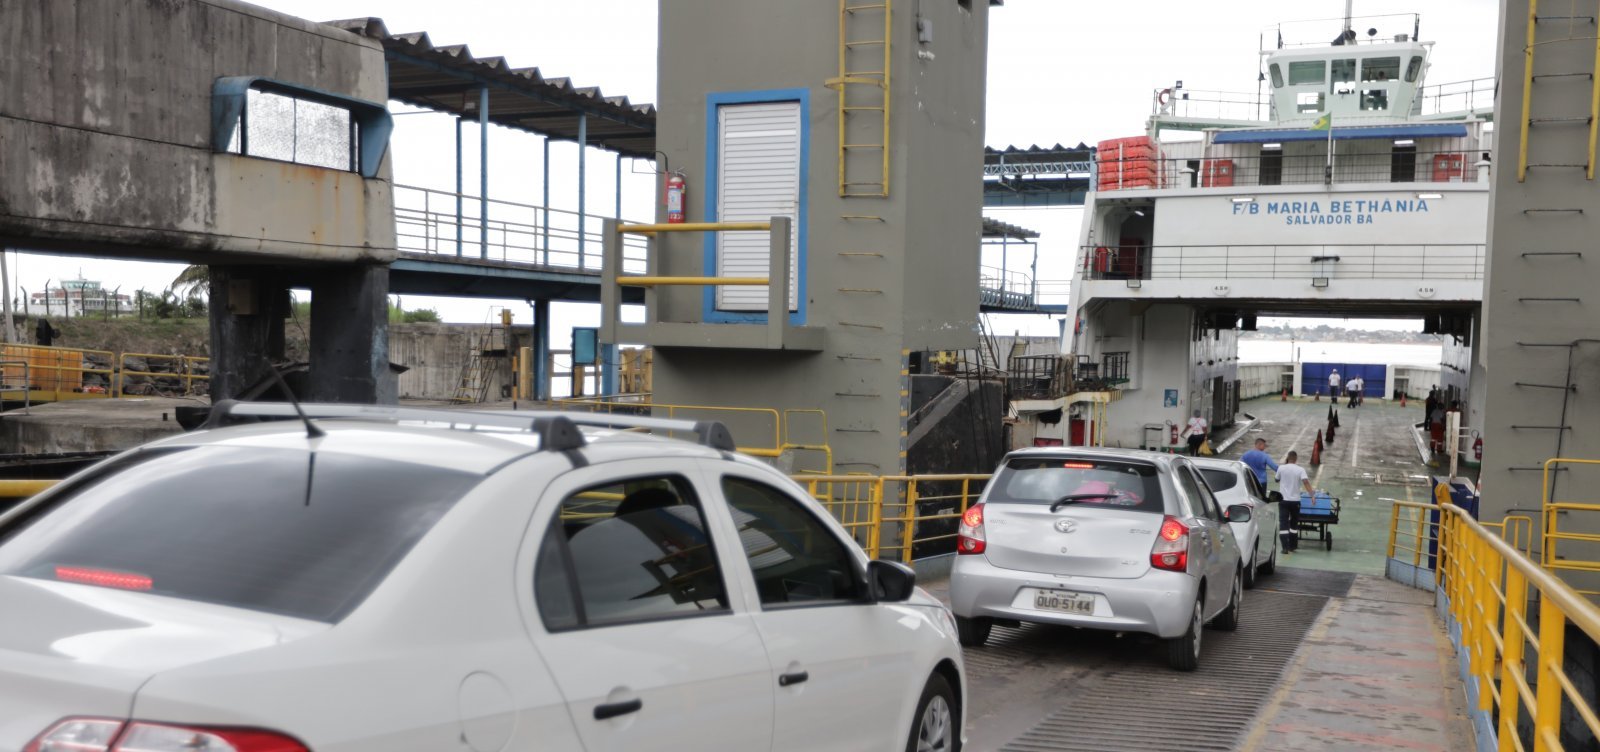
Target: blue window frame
714	100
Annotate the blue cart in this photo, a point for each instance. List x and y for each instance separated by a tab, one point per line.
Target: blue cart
1316	514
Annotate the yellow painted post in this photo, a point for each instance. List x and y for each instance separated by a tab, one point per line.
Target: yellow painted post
1594	108
1511	658
875	510
909	528
1422	530
1394	524
1527	91
1547	695
1489	575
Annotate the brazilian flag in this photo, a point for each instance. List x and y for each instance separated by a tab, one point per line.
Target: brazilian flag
1324	123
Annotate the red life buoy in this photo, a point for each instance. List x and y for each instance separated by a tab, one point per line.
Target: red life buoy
1164	97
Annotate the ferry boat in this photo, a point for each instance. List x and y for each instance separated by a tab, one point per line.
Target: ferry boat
1347	186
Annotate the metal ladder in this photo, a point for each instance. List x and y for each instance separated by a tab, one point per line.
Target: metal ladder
487	346
863	85
1529	78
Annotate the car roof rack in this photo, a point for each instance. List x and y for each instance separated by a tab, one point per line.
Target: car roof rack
557	430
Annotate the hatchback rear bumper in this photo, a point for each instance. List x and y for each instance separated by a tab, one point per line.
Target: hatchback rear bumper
1158	603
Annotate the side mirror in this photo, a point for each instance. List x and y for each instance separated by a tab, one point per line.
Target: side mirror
1240	513
890	581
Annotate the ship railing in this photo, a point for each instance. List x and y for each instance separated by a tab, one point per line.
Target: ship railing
1509	619
452	225
1199	104
1299	163
1010	282
1399	261
1456	96
898	517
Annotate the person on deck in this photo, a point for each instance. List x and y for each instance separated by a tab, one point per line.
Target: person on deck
1259	461
1197	433
1432	402
1292	479
1333	385
44	333
1436	427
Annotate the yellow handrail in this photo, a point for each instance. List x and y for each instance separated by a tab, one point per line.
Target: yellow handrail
696	227
1491	588
642	281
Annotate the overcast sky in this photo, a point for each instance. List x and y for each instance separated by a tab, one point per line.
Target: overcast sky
1059	71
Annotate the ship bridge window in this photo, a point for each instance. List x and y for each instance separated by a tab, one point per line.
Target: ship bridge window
1344	71
1413	68
1375	100
1306	72
1380	69
1277	76
1309	101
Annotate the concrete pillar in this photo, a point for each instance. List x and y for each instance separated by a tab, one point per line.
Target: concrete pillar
247	311
610	360
350	336
541	349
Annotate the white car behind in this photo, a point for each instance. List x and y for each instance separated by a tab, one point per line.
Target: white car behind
1234	482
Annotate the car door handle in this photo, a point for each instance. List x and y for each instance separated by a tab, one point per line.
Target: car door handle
793	678
614	709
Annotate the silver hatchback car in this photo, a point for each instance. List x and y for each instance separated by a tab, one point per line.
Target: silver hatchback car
1110	539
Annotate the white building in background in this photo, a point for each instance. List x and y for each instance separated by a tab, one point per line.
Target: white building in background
78	297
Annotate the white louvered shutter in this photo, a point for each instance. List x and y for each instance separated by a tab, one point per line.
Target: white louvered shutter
758	177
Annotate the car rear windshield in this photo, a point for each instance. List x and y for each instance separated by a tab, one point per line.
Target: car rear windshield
1219	480
1091	482
275	530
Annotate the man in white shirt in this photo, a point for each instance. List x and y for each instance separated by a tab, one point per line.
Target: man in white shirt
1355	389
1292	479
1333	385
1197	433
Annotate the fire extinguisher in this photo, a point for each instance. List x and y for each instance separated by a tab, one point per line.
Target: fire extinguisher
1477	449
1172	428
675	190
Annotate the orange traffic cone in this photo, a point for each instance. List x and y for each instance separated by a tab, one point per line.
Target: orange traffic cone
1316	450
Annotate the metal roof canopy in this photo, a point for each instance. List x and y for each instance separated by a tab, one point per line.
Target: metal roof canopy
448	79
994	228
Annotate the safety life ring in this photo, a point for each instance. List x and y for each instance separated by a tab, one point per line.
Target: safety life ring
1164	97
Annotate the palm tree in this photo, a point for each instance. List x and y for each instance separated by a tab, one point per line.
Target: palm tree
193	282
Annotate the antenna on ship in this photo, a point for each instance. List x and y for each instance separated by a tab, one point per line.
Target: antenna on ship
1347	35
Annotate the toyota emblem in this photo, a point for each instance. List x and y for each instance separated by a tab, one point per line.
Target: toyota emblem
1066	526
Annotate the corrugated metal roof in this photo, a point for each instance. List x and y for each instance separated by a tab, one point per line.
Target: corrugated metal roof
994	228
991	155
447	78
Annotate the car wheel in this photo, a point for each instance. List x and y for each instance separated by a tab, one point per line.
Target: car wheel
933	728
1183	653
1272	562
973	632
1250	568
1228	620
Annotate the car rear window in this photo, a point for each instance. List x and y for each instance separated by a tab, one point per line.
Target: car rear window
271	530
1219	480
1040	480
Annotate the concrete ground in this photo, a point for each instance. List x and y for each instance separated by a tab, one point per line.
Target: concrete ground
1371	463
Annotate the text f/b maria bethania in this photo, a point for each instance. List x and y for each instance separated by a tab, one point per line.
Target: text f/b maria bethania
1354	211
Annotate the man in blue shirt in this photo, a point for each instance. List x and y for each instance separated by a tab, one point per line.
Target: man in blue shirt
1259	461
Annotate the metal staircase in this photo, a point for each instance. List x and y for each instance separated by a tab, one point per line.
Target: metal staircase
1591	119
863	85
488	346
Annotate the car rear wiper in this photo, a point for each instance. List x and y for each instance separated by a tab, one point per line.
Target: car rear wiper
1075	498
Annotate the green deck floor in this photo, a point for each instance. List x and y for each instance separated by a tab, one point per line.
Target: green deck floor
1372	463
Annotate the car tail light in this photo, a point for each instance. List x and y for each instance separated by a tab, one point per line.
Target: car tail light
1078	465
103	735
1171	551
969	535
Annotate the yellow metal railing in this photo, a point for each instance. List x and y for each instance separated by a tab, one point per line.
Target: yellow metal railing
185	371
743	422
1493	589
1556	515
891	515
55	374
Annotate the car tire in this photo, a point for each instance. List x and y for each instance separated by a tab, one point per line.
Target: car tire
1250	568
1228	620
1272	562
1183	653
973	632
933	726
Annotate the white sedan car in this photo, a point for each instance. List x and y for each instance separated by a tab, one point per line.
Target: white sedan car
1235	483
390	580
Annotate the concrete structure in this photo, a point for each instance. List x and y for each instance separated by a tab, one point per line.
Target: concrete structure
876	277
1541	337
214	132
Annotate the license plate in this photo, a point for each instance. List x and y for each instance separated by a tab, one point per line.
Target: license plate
1064	601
